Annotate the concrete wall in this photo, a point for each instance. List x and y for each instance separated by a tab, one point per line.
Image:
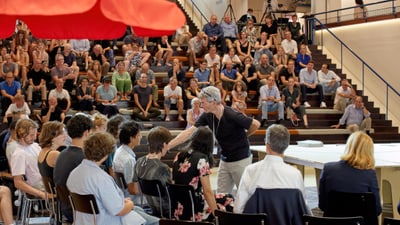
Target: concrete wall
378	44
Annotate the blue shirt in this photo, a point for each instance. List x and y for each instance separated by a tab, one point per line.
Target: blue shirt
89	178
202	76
215	30
230	30
303	59
306	77
231	74
352	115
11	90
266	92
106	95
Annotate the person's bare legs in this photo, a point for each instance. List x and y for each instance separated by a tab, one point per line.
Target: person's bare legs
5	205
180	109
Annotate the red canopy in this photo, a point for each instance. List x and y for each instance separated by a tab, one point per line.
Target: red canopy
91	19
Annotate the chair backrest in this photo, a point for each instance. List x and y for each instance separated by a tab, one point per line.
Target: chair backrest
63	194
343	204
228	218
85	204
314	220
120	180
284	206
154	188
164	221
49	185
390	221
184	195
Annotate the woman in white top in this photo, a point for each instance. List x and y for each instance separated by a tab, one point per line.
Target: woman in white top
194	113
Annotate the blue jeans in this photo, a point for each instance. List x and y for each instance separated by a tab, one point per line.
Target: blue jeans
265	108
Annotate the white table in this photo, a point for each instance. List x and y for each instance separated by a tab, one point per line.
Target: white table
387	163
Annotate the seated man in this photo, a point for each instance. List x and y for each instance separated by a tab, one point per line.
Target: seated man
62	96
289	45
197	48
272	172
230	76
356	116
230	30
182	36
288	72
295	29
309	84
264	69
270	100
173	99
143	97
150	167
62	72
344	96
18	109
151	81
9	89
97	54
37	83
328	79
81	47
24	160
215	34
52	111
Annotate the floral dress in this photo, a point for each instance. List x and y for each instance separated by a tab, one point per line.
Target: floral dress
188	167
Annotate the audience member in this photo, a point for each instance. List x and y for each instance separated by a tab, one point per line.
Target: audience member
163	51
356	116
173	99
84	94
52	112
224	94
151	81
224	122
9	89
214	63
106	98
62	96
122	81
291	98
251	32
230	30
272	172
178	72
295	29
113	128
12	143
328	79
233	57
271	28
18	109
8	66
182	36
229	76
215	34
194	112
239	96
21	58
197	48
150	166
309	84
133	58
20	39
270	100
302	58
70	60
24	160
81	47
40	54
56	47
52	137
108	50
37	83
264	69
192	167
243	46
289	45
6	212
100	122
344	96
98	54
110	199
191	92
62	72
360	12
288	72
249	74
143	97
354	173
203	75
262	46
244	18
94	74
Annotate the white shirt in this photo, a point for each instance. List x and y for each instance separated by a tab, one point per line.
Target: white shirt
325	78
210	61
23	110
290	47
59	95
270	173
340	90
168	92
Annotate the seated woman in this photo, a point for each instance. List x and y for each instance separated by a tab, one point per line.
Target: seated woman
85	179
100	122
150	167
17	109
354	173
122	81
52	136
291	99
106	98
85	95
239	96
192	167
262	46
194	112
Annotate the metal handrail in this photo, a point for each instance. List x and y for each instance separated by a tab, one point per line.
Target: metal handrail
198	9
352	7
364	64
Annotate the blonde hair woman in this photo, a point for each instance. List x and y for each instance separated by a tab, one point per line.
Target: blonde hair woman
354	173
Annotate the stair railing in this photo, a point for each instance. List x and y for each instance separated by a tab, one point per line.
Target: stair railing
194	12
314	22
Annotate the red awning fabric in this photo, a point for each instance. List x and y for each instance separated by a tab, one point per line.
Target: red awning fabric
91	19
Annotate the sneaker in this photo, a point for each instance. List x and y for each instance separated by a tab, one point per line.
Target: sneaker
179	49
228	98
167	119
115	48
307	105
323	105
145	48
191	69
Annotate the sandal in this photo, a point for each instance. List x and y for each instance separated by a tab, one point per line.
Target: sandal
181	119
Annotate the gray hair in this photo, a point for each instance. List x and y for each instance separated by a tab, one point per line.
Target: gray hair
278	138
195	100
211	93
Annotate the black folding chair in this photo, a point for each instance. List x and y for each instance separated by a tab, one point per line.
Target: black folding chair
85	204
